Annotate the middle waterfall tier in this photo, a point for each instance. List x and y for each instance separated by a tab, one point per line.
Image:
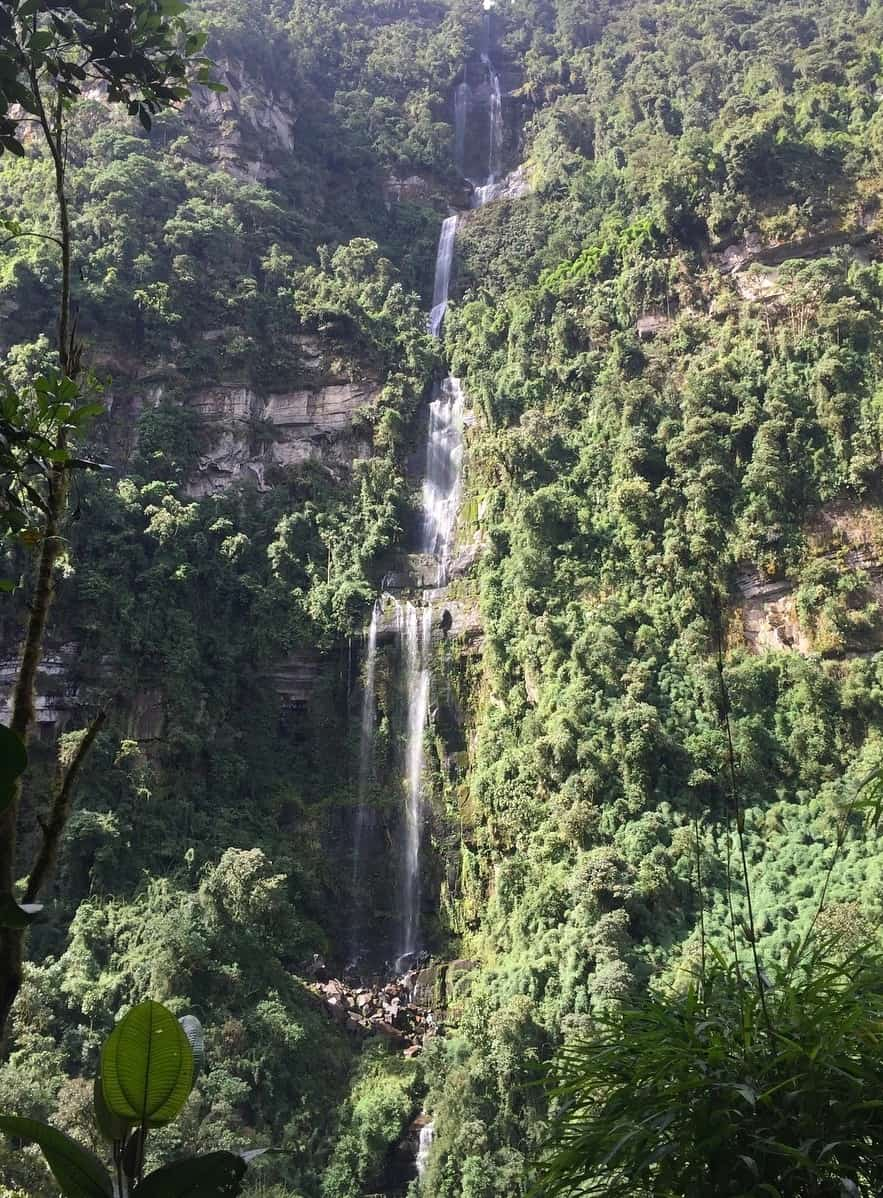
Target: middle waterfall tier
441	481
442	284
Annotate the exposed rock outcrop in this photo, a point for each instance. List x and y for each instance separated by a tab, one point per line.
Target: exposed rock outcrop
243	128
651	324
405	1011
426	189
388	1011
57	696
251	432
769	615
847	536
442	986
753	250
451	617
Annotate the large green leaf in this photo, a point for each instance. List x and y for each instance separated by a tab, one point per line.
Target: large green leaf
79	1173
13	763
147	1066
217	1175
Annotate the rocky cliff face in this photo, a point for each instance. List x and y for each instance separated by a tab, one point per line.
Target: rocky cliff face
845	542
245	129
250	434
246	432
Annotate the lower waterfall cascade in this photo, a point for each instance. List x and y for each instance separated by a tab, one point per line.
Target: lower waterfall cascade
414	634
427	1135
363	812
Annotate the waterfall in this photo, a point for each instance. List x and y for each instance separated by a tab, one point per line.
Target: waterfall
413	624
415	633
443	260
366	761
441	497
441	480
488	192
424	1144
495	116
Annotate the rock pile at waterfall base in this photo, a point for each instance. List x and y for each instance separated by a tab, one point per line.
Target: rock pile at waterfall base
385	1011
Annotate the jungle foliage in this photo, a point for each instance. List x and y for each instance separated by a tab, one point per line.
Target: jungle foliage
717	1092
673	349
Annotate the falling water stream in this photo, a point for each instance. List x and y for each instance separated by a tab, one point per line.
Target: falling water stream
415	638
461	111
413	620
427	1135
441	479
441	495
443	260
366	762
488	190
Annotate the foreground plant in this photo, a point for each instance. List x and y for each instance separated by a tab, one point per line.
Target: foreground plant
708	1094
148	1067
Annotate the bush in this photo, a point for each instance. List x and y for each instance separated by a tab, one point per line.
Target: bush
702	1094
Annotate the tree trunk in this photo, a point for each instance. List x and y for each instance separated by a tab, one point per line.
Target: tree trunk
23	711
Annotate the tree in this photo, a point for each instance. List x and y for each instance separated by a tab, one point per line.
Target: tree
144	56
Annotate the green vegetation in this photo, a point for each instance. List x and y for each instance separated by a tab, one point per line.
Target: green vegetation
140	55
658	430
673	349
713	1093
148	1068
380	1102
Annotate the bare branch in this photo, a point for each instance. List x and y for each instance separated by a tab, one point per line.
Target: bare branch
41	236
61	806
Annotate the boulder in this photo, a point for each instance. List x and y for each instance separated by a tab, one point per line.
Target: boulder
388	1032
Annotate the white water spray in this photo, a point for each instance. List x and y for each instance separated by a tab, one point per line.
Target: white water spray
442	477
443	259
366	762
424	1146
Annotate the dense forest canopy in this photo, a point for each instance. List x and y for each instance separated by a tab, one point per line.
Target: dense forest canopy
668	324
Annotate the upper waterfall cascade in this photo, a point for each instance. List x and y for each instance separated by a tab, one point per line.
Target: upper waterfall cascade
488	190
